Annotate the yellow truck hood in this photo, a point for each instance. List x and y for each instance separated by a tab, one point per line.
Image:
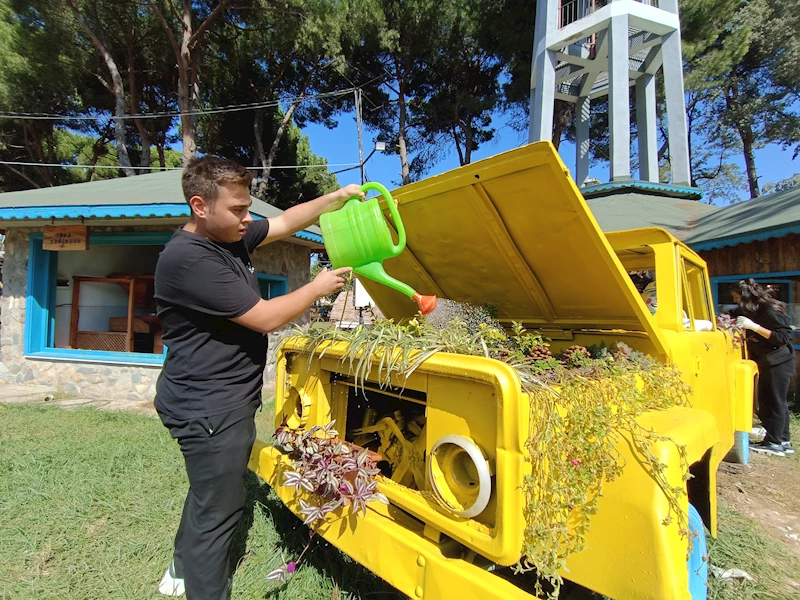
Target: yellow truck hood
514	231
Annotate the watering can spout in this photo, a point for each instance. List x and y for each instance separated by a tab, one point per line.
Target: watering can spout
427	304
376	272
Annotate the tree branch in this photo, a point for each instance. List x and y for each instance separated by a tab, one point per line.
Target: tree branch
173	42
201	31
23	176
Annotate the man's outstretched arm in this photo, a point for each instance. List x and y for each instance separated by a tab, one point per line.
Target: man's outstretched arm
299	217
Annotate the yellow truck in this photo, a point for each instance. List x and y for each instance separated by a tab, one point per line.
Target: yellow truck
513	230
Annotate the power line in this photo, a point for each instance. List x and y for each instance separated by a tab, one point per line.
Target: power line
160	168
203	111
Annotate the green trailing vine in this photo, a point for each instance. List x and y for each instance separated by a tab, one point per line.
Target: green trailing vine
582	402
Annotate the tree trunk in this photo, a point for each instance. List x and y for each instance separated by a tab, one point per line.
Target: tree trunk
563	117
119	92
141	124
34	148
259	185
454	132
748	140
405	172
97	150
468	142
187	57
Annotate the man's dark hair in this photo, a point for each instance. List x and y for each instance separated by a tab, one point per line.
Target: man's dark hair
202	176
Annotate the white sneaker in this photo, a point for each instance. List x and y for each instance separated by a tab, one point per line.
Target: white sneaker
171	585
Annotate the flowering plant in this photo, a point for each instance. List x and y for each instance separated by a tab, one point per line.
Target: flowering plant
336	472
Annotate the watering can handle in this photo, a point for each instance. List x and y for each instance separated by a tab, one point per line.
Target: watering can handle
398	222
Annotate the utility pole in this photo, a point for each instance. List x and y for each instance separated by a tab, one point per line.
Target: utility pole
359	124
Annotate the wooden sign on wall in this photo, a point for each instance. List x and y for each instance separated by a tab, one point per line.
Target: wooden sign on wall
65	237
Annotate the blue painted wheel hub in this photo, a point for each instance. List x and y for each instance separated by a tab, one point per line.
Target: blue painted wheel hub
697	564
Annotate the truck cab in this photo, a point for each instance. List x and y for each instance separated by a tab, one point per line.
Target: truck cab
514	231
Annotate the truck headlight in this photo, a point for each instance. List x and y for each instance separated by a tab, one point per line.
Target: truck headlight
459	475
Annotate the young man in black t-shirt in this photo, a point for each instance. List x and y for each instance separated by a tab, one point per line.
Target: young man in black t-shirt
215	326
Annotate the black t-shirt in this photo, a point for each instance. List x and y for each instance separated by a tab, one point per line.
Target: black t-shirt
213	365
759	347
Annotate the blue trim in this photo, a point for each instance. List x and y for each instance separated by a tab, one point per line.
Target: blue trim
278	284
764	234
770	275
116	211
676	191
40	297
71	354
100	211
307	235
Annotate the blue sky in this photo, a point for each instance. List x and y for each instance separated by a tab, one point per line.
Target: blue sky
340	145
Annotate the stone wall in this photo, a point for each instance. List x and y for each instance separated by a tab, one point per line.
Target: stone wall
102	380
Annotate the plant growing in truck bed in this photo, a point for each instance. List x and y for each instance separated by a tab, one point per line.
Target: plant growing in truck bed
583	403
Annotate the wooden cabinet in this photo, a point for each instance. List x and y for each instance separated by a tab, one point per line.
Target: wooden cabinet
122	331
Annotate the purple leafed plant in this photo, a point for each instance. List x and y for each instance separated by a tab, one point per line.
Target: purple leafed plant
337	473
727	323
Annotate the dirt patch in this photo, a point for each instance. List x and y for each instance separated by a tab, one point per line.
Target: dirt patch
767	491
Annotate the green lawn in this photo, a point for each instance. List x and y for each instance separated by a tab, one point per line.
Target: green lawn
89	502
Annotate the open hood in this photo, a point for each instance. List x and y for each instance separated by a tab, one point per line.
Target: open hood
514	231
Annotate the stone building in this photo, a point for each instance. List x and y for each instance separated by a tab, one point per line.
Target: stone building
84	321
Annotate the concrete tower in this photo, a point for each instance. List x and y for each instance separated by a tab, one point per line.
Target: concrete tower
587	49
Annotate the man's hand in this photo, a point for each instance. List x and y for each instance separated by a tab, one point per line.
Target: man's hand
328	282
343	194
745	323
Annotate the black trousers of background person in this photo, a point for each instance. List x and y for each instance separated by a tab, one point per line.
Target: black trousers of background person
216	451
773	408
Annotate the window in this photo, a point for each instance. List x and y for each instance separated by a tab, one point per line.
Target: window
97	304
272	286
785	286
699	305
112	284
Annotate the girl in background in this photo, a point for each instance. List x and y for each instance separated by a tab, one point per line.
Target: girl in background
766	324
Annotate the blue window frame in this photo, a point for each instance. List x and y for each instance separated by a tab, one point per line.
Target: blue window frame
272	286
786	278
40	303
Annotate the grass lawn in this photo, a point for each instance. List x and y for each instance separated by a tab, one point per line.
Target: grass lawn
89	503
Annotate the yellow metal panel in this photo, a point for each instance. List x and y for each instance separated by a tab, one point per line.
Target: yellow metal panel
513	231
745	372
630	554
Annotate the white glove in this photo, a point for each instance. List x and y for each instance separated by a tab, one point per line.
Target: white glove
745	323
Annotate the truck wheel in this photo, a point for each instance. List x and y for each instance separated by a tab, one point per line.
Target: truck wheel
697	564
740	453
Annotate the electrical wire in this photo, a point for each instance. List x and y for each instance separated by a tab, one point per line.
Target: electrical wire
160	168
201	111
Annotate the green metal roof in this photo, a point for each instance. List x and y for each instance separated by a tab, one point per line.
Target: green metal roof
154	195
773	215
619	212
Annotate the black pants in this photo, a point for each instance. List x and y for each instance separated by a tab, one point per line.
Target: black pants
773	408
216	451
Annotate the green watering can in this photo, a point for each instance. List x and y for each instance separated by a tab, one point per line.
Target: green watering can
357	236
